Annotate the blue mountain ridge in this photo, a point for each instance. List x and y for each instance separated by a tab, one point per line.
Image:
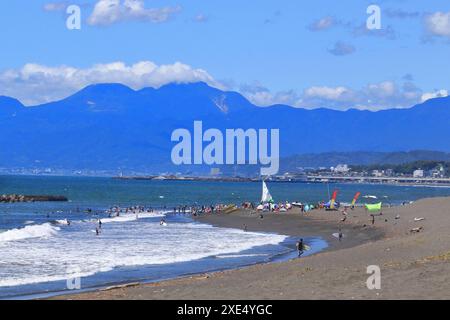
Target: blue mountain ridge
111	126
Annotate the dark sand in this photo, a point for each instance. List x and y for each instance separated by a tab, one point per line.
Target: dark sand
413	265
299	225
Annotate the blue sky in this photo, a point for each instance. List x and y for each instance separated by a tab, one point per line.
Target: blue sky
303	53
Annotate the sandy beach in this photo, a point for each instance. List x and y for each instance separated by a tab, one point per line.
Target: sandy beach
414	265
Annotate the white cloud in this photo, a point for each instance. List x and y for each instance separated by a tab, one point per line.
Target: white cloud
438	24
437	94
328	93
107	12
376	96
382	90
34	83
261	96
266	98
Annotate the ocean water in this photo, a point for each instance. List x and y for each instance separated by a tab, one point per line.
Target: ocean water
40	252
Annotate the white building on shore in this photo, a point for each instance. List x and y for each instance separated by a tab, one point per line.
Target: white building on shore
341	168
418	173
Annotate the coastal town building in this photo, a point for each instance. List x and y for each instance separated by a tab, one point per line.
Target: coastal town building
418	173
341	168
377	173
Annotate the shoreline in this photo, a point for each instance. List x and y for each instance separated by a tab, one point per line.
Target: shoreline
292	224
428	182
297	225
223	221
414	265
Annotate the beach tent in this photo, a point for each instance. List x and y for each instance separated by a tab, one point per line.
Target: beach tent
333	204
330	205
374	207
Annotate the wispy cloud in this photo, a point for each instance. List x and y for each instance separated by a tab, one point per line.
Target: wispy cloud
329	22
408	77
201	18
401	14
56	6
387	32
342	49
322	24
274	18
107	12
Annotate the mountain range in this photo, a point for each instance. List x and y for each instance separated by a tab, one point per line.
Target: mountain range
111	126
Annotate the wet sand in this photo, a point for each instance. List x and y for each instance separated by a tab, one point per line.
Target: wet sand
414	265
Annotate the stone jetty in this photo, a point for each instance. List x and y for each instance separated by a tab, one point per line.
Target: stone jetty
13	198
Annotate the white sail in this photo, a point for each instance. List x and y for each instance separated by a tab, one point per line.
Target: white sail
266	197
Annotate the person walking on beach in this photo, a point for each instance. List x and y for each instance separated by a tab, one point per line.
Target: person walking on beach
300	247
373	219
340	235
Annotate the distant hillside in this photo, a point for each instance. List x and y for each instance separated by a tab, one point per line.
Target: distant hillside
110	126
330	159
406	168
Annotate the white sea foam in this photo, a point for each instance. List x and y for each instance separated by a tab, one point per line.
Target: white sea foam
135	243
133	217
118	219
35	231
63	222
241	255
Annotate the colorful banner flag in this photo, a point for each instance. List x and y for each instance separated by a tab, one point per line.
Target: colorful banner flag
355	198
333	199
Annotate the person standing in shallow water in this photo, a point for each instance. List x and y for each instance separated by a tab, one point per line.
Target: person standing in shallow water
340	235
300	247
